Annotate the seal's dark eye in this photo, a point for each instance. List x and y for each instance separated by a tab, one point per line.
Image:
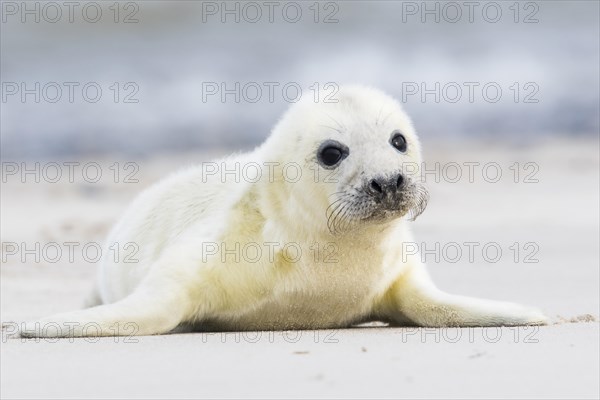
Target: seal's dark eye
331	155
398	141
331	152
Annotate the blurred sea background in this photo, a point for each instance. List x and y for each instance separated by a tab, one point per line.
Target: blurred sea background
549	49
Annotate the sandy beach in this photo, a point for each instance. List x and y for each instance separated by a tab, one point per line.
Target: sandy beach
541	214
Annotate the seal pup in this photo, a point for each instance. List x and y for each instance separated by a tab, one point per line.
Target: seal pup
304	232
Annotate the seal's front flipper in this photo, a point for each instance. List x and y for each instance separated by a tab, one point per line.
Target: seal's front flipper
415	298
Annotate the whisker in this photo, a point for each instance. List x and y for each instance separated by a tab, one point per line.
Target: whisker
334	209
342	127
385	119
330	127
334	193
336	221
378	116
347	221
336	205
420	203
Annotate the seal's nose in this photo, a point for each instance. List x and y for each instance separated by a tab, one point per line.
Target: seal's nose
385	188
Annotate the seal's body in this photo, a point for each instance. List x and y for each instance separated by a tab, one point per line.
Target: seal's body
305	232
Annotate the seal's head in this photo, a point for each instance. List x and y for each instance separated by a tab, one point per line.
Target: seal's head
359	155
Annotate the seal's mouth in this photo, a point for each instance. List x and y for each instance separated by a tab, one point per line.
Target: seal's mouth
357	207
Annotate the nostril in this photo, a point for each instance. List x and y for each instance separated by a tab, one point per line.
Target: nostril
376	186
400	181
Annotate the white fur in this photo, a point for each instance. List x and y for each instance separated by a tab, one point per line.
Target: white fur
174	282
